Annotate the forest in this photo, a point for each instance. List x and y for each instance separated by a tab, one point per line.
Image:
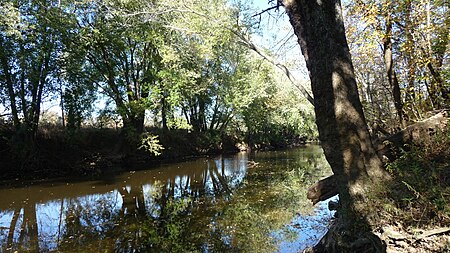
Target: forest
91	86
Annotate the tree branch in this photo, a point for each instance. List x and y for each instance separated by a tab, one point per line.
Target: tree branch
4	115
323	189
266	10
282	67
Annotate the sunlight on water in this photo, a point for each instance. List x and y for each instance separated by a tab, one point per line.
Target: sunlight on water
244	202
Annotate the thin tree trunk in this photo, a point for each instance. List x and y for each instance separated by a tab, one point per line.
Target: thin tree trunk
215	115
40	90
201	114
63	116
392	76
438	88
163	112
9	84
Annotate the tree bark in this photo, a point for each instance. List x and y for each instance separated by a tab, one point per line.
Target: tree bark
343	131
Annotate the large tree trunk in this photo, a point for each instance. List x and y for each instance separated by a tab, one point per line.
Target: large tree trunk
343	131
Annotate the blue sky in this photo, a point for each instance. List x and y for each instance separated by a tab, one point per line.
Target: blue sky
278	36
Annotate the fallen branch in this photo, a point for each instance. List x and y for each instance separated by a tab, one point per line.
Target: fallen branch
432	232
419	134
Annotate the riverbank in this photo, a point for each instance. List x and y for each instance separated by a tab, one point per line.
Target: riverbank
411	212
95	152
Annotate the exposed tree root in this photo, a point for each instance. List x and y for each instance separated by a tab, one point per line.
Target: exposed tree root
399	240
338	239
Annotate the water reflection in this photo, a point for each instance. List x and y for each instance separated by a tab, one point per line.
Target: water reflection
206	205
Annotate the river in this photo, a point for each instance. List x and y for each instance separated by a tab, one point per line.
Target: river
247	202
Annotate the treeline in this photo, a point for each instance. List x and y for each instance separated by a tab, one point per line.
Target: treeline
175	66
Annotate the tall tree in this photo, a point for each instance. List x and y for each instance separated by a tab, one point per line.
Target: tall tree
340	119
390	70
29	46
121	55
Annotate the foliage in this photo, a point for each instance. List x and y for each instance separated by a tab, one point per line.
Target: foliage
108	118
416	34
30	44
78	105
150	143
278	116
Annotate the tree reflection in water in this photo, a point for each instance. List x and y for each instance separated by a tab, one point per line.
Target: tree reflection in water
207	205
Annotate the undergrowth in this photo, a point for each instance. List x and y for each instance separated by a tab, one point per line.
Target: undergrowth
419	195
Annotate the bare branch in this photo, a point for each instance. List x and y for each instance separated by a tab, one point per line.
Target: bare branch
245	41
6	114
266	10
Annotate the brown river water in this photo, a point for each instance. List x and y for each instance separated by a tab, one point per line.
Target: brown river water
247	202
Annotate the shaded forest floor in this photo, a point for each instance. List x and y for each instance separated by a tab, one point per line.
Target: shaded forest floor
91	152
415	211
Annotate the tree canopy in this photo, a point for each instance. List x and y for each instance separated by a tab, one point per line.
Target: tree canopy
170	65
